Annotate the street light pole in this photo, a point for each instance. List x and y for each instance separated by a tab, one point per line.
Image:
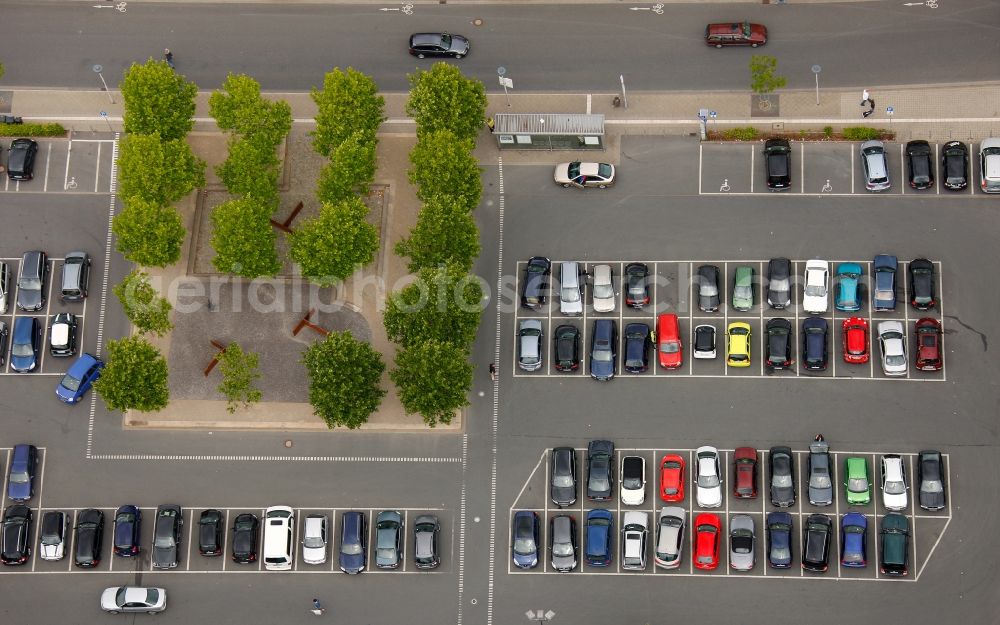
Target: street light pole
816	70
97	70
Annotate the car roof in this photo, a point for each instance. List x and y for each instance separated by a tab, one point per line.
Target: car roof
893	467
602	273
421	38
990	143
843	268
637	518
889	326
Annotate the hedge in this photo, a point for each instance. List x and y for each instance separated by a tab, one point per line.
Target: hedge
31	130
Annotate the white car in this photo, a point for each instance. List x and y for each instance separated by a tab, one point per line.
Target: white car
577	174
604	289
893	345
708	477
52	535
633	484
989	165
670	537
133	599
314	539
815	292
893	482
635	529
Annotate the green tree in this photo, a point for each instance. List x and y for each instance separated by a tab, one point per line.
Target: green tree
443	99
351	168
344	376
148	234
243	239
239	108
239	377
158	171
1	70
349	102
762	76
143	305
135	377
252	171
332	245
443	304
157	100
444	165
445	234
433	379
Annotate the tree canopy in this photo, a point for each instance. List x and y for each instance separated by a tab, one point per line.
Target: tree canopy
441	98
157	100
443	304
344	376
444	165
332	245
351	168
243	239
433	379
239	377
148	234
143	305
445	234
158	171
135	377
348	103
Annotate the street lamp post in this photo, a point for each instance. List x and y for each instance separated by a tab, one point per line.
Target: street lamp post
97	70
816	70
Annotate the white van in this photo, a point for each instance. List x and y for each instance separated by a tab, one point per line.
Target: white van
278	545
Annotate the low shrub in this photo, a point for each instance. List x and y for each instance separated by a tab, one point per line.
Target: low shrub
828	131
861	133
748	133
32	130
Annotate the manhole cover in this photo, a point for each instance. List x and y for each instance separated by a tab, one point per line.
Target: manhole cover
477	22
288	444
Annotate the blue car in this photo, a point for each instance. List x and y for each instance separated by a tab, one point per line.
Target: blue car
884	279
353	534
78	380
854	540
599	532
848	296
524	539
24	344
779	540
21	479
128	526
604	350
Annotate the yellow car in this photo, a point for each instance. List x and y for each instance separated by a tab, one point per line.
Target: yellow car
738	344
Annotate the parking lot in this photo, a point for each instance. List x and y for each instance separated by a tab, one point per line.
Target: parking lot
78	165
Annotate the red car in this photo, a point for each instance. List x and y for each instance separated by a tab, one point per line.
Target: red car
736	34
745	467
668	346
855	340
672	478
707	529
928	344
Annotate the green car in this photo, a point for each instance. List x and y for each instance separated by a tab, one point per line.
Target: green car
743	288
856	482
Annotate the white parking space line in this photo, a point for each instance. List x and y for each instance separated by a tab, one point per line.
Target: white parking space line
331	539
97	170
902	170
937	166
834	476
758	295
403	530
41	487
724	303
725	546
796	483
701	157
191	537
70	543
545	519
907	348
876	498
853	173
48	159
752	154
69	155
763	509
691	515
915	493
226	551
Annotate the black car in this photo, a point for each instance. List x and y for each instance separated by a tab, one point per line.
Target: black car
815	353
779	287
32	290
423	45
600	470
567	348
167	536
245	529
779	343
922	284
930	476
919	165
636	347
704	341
778	163
816	538
604	350
210	533
16	535
21	159
563	486
708	288
955	165
128	528
89	536
781	466
636	276
536	282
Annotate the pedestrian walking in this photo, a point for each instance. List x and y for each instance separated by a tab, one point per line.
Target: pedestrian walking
493	372
318	609
491	124
169	56
871	102
865	96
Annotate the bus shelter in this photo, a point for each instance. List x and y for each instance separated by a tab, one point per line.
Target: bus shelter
548	131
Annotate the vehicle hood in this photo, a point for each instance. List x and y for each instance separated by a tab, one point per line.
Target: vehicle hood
710	497
29	299
820	495
23	363
932	500
19	492
459	44
601	369
563	563
165	557
352	563
894	502
783	494
563	494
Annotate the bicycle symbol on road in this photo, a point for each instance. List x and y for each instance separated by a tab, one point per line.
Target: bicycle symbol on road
120	6
408	8
71	184
725	186
658	8
827	188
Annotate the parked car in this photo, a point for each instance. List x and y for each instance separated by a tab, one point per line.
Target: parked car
894	482
603	289
424	45
277	546
928	338
779	287
778	164
848	287
600	470
128	529
815	354
672	478
745	473
743	288
314	539
89	536
562	489
779	540
353	542
708	477
708	288
4	337
21	159
210	540
742	543
80	376
21	477
670	537
893	346
604	350
529	344
855	340
820	480
245	530
707	532
817	536
32	287
600	525
781	466
637	280
955	165
426	552
738	344
4	287
24	344
567	348
16	535
62	335
536	282
779	344
884	293
133	599
989	165
894	548
570	288
919	165
922	284
736	34
635	530
585	175
815	291
704	341
563	548
52	535
873	160
633	485
669	345
930	476
854	540
167	536
857	482
388	539
75	277
636	347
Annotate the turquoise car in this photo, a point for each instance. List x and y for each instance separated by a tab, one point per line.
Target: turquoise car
848	296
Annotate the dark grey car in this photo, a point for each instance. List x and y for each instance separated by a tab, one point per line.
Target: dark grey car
779	287
425	542
782	469
167	536
708	288
600	470
563	547
930	476
31	284
563	486
820	480
388	539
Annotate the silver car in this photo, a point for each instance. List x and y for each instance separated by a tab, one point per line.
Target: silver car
876	167
604	289
820	483
708	477
314	539
893	345
133	599
425	542
570	289
635	529
529	344
670	537
563	546
388	539
742	543
52	535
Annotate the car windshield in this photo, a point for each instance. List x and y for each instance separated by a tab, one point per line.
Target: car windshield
708	481
601	353
932	486
857	485
562	481
780	553
895	360
895	488
603	291
562	549
21	349
313	542
604	170
743	292
570	294
535	268
350	548
524	546
573	171
670	347
70	383
29	284
446	40
820	481
19	477
164	541
815	289
779	286
742	542
708	289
